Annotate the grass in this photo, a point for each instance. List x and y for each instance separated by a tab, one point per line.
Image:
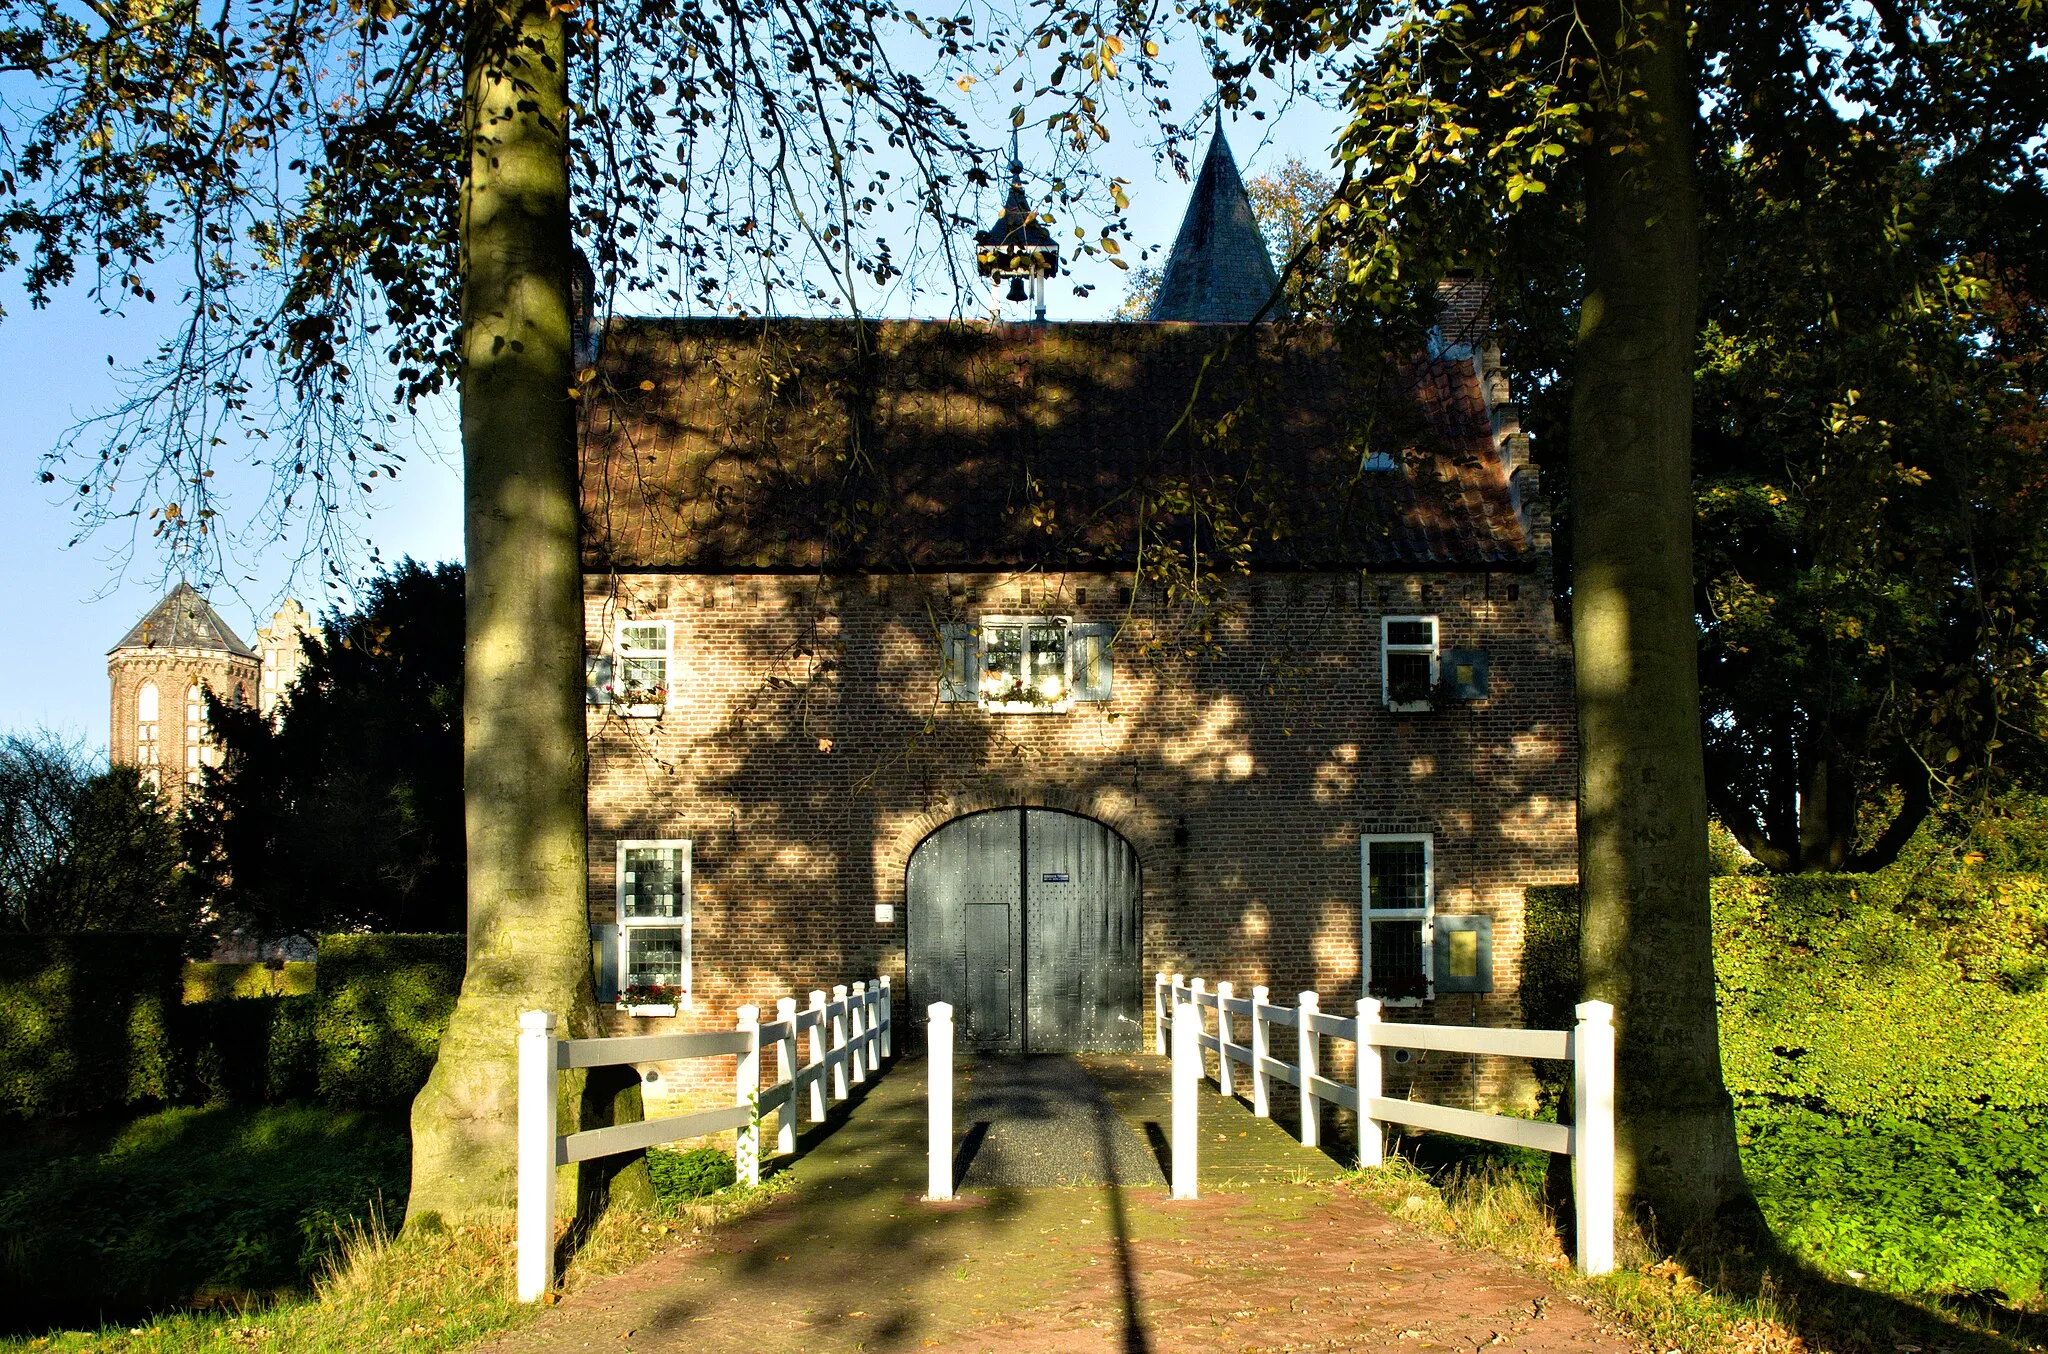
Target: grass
1736	1290
239	1229
113	1217
413	1293
1953	1205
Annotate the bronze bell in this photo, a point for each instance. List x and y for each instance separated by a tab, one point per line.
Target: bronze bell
1017	289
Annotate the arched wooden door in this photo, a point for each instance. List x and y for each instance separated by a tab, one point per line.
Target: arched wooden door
1027	921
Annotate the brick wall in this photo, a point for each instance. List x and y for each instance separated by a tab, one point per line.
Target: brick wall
173	671
805	754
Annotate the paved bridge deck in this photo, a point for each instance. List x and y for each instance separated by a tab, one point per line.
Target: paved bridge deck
1064	1240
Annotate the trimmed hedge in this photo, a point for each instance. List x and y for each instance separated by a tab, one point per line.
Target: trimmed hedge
93	1021
250	1051
383	1004
224	982
86	1020
1854	993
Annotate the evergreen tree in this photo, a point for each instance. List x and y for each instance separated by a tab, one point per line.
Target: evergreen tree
342	810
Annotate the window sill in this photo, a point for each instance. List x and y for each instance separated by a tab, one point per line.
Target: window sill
1410	707
639	711
1026	708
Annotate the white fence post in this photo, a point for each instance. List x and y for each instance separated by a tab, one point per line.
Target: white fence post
1159	1017
816	1051
1309	1044
1197	989
1226	1084
1593	1135
1187	1079
888	1005
1371	1145
536	1225
938	1179
1262	1037
840	1085
785	1074
746	1090
857	1014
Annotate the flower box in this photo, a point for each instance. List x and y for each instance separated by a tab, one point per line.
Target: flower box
652	710
650	999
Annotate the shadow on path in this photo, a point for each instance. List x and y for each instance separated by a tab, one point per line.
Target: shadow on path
1100	1260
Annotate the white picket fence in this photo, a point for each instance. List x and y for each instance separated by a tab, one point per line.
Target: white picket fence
846	1038
1182	1028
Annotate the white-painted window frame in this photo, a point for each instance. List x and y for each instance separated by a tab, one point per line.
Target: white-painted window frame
627	925
1064	703
1434	649
1368	914
623	653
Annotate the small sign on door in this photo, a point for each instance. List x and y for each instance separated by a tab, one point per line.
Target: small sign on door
1057	879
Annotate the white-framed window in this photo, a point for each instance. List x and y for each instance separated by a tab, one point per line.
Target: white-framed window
640	662
654	920
1408	661
1397	884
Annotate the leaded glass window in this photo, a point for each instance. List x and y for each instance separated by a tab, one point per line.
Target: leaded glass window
654	882
1400	893
1024	665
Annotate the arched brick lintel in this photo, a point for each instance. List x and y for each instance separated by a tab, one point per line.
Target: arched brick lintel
1122	813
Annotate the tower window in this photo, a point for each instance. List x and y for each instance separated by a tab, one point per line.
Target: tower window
195	710
146	742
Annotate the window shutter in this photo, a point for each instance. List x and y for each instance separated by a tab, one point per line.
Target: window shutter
604	955
1464	954
1466	674
1090	646
597	679
959	659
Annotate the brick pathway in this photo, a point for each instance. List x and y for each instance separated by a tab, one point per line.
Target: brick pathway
1276	1256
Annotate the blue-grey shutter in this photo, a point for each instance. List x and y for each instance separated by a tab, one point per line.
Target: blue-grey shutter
1465	673
959	658
604	961
597	679
1089	645
1480	976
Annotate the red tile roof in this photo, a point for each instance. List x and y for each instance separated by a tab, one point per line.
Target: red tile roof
726	446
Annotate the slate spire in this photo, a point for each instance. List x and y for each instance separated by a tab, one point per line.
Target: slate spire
1219	271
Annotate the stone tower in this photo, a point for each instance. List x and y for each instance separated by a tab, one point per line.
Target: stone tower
160	670
283	655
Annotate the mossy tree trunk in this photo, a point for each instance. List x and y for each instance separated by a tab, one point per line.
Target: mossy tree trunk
523	735
1648	937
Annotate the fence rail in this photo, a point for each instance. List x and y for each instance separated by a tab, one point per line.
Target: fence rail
1180	1016
846	1037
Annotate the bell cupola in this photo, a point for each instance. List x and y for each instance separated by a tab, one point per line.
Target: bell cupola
1018	246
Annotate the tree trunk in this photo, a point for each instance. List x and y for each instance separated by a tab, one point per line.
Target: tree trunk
1648	937
523	734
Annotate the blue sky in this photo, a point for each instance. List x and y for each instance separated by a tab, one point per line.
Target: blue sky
63	606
